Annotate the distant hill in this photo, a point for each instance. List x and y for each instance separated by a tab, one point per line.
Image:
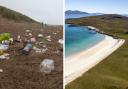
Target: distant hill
13	15
125	15
113	16
75	12
78	14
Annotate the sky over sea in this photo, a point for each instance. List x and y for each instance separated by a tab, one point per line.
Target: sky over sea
48	11
103	6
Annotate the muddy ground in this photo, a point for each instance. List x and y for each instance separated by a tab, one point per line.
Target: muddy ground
22	71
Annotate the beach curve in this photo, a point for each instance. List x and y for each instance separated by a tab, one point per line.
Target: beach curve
79	63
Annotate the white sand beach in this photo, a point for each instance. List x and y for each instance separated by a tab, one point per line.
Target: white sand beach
79	63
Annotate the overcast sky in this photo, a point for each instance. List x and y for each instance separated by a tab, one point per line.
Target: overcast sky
48	11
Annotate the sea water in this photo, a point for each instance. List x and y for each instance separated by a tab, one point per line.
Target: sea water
79	38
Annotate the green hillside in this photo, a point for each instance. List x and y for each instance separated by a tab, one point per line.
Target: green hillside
111	73
13	15
111	23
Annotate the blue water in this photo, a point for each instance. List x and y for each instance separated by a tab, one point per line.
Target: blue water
78	38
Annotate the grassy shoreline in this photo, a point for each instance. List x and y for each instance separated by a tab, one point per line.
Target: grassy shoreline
112	72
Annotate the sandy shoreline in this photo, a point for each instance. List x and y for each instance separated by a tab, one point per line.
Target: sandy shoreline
77	64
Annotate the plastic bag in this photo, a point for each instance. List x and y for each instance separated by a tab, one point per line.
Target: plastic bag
47	66
4	47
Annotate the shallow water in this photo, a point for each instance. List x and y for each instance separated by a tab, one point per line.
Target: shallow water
79	38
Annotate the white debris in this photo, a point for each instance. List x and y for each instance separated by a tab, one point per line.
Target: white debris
30	34
54	33
19	38
47	66
4	47
41	42
40	50
11	40
49	40
1	70
57	52
5	56
6	42
27	31
60	41
48	37
40	35
33	39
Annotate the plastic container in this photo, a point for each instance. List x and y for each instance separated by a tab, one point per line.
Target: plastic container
4	47
27	48
47	66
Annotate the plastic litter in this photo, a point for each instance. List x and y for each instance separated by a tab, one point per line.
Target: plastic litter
30	34
27	31
1	70
33	39
40	35
60	41
6	42
11	40
4	47
48	37
54	33
47	66
38	50
49	40
19	38
27	48
5	56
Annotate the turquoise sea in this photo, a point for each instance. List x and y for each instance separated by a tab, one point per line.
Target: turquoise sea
79	38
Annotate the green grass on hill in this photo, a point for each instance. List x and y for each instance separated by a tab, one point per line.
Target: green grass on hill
111	73
13	15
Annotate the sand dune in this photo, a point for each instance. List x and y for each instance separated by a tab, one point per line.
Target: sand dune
79	63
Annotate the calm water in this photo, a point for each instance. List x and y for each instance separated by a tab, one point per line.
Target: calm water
79	38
